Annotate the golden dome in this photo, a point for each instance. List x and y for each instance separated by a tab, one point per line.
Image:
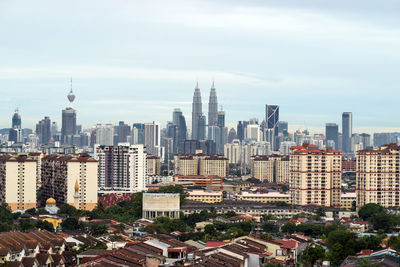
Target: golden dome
51	201
76	186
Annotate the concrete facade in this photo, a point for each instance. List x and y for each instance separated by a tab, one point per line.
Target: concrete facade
160	205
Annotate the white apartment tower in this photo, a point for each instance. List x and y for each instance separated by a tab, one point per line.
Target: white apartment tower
122	168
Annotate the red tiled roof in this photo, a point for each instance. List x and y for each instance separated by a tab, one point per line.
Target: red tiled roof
215	244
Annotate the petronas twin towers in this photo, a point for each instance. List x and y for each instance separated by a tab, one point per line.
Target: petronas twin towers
198	119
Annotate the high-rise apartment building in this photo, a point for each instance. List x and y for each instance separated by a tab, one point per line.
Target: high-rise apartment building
378	176
201	164
332	134
70	179
18	182
347	131
43	130
213	107
271	169
198	119
153	165
105	134
121	168
315	176
214	165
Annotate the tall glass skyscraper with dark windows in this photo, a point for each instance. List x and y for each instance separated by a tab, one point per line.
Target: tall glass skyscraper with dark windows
332	134
272	119
347	131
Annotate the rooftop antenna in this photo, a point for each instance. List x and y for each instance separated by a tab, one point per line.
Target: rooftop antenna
71	96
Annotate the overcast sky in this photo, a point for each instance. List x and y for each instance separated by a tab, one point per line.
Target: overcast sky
138	60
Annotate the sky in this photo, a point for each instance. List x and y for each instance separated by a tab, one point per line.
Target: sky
138	60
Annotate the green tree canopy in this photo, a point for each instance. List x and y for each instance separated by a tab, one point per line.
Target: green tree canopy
368	210
312	254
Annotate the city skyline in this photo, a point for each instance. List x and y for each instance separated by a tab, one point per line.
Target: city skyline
265	57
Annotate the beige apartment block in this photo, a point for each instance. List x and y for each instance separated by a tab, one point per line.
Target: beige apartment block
315	176
18	181
201	164
186	165
70	179
153	165
214	165
378	176
271	169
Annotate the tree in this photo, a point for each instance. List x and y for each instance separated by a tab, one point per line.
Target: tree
253	180
382	221
71	223
31	211
98	229
26	224
210	229
311	255
289	228
6	218
320	211
44	225
368	210
67	209
336	254
364	262
270	228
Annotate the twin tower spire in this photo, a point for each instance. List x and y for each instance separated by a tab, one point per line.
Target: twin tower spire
198	119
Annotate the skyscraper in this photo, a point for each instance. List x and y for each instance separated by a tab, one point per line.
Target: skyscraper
137	133
43	130
152	139
272	119
15	133
177	129
105	134
198	120
124	131
332	134
68	127
212	107
347	131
